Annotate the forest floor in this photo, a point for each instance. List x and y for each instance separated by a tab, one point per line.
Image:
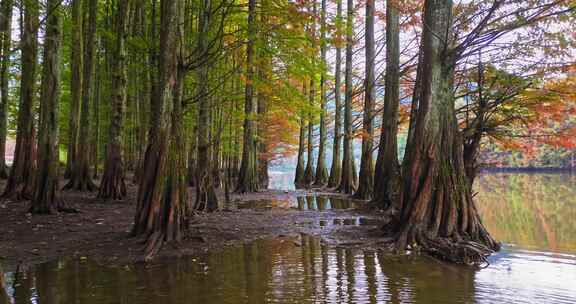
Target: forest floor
101	229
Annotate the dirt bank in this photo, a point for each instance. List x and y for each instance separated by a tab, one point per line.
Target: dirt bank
101	229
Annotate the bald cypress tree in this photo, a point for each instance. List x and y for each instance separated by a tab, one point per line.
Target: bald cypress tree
113	185
5	43
248	178
387	179
336	169
438	212
45	198
20	182
161	198
80	177
348	180
366	176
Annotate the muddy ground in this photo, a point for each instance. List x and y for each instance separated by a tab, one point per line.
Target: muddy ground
101	229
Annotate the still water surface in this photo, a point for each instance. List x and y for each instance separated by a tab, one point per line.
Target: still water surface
533	214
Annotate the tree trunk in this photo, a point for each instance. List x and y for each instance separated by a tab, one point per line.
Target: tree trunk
348	179
76	62
113	185
387	179
159	214
5	42
473	141
366	178
192	154
439	214
299	176
262	145
46	199
206	199
20	184
309	172
248	179
321	171
80	178
336	169
96	114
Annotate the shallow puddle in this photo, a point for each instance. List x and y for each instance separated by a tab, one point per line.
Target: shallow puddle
301	270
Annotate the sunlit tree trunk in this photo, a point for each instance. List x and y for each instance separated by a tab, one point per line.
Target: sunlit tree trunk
20	182
113	185
348	179
46	199
206	199
336	169
80	178
160	206
387	179
76	61
5	43
438	211
248	179
366	176
321	171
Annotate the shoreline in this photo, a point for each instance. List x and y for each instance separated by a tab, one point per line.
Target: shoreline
101	230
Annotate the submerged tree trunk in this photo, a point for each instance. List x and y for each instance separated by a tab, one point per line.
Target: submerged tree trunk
113	185
336	169
160	206
248	179
76	60
80	178
366	178
439	214
348	179
321	171
387	179
5	43
46	199
20	182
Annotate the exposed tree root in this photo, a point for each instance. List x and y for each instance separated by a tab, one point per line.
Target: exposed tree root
17	193
457	249
57	206
112	185
80	184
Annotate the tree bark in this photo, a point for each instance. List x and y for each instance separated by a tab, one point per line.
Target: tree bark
248	178
80	178
387	179
76	61
113	185
46	199
336	169
321	171
439	214
366	178
5	43
348	179
160	213
20	184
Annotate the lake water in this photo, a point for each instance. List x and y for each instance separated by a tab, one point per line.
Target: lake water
533	214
